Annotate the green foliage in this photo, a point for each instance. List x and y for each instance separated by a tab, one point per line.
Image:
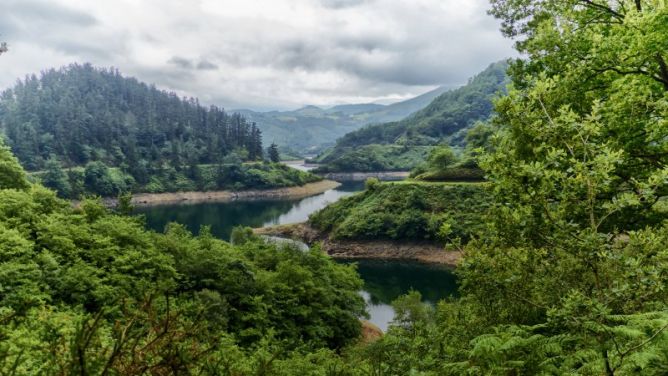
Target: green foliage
125	206
406	211
444	165
80	114
272	152
55	178
11	173
98	179
86	291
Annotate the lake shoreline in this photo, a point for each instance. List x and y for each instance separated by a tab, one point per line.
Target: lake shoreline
424	252
362	176
196	197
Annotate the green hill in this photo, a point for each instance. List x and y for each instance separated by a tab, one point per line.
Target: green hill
401	145
130	136
311	129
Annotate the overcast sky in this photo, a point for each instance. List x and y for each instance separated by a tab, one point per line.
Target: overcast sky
260	54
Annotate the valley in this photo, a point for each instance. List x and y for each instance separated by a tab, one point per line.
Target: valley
407	188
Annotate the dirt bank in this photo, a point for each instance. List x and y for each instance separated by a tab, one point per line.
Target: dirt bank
370	332
151	199
375	249
362	176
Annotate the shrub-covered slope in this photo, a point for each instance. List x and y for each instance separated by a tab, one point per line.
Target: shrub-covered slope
406	211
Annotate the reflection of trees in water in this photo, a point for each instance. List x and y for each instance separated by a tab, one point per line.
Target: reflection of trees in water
222	217
386	281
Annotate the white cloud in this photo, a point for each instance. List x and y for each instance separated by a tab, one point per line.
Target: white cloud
260	53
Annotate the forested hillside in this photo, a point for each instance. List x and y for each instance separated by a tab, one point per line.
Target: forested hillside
129	136
403	144
80	113
311	129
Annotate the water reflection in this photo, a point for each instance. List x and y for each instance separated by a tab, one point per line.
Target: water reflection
385	281
223	216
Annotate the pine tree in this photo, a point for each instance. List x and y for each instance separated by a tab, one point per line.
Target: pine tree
272	152
56	179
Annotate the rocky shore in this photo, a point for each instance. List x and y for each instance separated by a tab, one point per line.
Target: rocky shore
368	249
154	199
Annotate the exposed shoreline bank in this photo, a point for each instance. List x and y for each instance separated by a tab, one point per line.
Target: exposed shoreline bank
425	252
169	198
361	176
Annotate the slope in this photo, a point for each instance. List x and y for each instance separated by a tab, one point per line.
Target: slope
402	144
130	136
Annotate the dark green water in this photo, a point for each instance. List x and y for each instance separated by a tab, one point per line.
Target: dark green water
222	217
384	281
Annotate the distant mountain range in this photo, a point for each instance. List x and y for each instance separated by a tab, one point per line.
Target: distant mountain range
400	145
311	129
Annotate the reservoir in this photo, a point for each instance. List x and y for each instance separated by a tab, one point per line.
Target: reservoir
384	280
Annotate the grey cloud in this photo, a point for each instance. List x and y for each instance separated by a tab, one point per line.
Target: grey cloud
181	62
188	64
36	11
339	4
50	25
206	65
357	50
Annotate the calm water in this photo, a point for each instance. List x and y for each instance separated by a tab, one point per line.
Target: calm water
384	281
223	216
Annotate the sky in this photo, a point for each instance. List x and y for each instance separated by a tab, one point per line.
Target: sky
260	54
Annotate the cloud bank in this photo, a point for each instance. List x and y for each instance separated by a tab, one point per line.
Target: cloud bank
260	54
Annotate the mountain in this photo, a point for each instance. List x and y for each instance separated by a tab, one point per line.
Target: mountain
353	109
115	134
80	114
401	144
311	129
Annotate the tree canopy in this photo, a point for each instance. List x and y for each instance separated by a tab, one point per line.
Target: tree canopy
87	291
79	114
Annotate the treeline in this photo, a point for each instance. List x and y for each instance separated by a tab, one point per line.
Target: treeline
96	178
79	113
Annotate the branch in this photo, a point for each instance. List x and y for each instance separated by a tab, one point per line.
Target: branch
650	339
663	68
604	8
